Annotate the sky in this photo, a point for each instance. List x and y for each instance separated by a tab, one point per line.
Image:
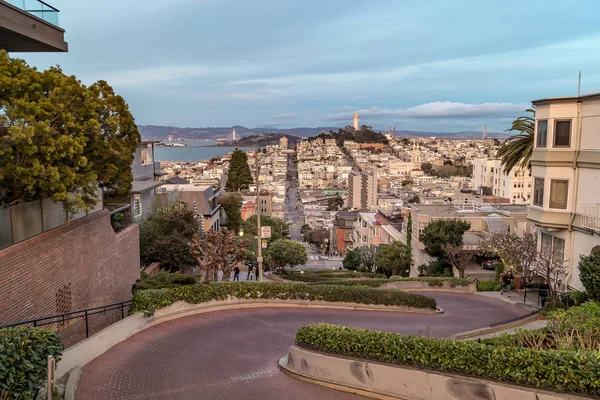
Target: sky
434	65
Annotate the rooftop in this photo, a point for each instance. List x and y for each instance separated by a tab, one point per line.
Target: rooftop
590	96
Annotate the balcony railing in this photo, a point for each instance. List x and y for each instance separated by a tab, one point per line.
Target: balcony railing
590	216
38	8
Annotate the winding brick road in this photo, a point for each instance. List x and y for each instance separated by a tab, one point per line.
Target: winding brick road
233	354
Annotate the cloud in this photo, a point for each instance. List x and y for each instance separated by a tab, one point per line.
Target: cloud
438	109
358	97
287	115
152	75
343	108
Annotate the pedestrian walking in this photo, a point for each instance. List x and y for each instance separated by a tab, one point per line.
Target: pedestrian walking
249	276
236	273
256	272
506	281
544	292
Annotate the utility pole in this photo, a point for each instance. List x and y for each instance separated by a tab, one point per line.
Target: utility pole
579	85
259	258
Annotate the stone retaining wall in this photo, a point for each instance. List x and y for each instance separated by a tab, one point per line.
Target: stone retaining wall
375	379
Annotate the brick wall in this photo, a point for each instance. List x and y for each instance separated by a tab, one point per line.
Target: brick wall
80	265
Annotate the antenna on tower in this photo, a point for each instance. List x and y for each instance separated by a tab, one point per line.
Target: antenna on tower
484	131
579	85
395	132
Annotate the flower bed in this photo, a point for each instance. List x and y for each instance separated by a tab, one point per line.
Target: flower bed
149	300
562	370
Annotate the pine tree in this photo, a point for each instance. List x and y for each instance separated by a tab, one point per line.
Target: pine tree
239	176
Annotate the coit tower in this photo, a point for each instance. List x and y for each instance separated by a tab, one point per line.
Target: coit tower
355	121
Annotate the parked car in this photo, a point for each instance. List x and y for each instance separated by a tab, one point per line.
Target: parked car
489	264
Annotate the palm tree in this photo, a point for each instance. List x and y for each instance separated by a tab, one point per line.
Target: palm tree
517	149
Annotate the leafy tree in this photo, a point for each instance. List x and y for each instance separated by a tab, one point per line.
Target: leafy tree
426	167
414	199
318	236
365	134
589	274
239	176
217	250
443	239
407	182
231	203
516	151
515	252
367	257
409	230
305	228
164	237
285	253
60	139
279	228
394	259
352	260
447	162
442	233
335	203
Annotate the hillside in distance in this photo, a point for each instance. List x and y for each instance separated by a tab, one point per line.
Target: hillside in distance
157	132
162	132
266	140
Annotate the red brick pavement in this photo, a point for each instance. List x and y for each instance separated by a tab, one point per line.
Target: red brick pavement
233	354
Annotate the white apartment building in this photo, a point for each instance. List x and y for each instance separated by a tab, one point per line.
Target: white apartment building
515	186
565	207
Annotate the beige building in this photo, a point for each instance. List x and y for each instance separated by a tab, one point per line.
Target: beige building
565	207
489	178
362	190
201	200
283	143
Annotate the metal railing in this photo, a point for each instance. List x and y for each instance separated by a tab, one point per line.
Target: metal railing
84	314
508	321
38	8
121	216
590	216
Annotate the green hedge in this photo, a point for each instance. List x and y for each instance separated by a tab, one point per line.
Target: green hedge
325	276
150	300
374	283
565	370
433	281
23	358
165	279
491	285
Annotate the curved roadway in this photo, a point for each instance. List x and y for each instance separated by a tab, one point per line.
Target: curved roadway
233	354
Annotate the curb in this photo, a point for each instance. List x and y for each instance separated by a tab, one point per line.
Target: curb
72	382
494	329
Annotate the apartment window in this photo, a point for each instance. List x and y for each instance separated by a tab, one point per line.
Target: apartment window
554	247
559	191
538	192
562	134
542	133
377	232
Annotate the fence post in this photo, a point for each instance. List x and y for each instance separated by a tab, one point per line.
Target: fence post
87	331
51	371
122	316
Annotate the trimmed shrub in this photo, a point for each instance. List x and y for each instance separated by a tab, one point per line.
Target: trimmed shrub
374	283
564	370
23	359
491	285
589	274
433	281
165	279
324	276
150	300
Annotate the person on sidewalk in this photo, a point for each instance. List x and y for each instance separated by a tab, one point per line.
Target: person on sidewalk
506	281
256	272
236	273
249	276
544	291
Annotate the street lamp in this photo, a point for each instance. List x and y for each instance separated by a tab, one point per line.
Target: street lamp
259	160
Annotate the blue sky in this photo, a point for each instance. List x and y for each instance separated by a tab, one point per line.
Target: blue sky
434	65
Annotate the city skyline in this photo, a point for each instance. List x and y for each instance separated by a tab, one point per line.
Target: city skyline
440	68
